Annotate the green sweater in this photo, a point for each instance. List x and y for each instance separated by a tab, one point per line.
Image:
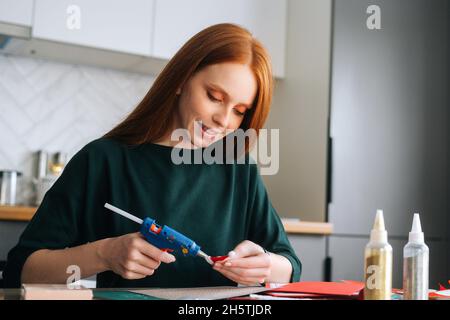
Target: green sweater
218	206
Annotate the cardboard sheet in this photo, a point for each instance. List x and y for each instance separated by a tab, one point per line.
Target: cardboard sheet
200	293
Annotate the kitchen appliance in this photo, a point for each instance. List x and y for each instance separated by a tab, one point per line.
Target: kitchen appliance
41	164
42	186
49	167
8	187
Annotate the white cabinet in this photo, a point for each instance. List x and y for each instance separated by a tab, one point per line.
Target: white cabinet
17	12
178	20
119	25
146	28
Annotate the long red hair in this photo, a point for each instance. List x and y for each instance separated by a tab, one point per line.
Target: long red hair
153	116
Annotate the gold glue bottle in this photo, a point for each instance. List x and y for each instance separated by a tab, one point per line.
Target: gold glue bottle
378	263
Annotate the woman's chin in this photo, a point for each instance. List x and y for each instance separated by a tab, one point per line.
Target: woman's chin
203	141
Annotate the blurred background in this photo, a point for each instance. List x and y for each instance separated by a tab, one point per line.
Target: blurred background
361	101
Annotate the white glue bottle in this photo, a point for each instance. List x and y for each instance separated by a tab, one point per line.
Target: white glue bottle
378	263
415	264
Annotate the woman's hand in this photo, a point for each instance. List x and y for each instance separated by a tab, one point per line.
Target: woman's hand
248	264
132	257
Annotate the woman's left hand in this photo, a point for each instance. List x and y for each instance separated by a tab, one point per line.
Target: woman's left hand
247	264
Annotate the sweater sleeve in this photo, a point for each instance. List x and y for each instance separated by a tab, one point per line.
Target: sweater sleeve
56	222
266	228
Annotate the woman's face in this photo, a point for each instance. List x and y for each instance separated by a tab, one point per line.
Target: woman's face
214	101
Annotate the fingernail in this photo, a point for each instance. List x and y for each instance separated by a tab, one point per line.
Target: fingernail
227	264
170	257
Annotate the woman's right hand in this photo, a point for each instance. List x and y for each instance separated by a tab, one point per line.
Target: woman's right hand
132	257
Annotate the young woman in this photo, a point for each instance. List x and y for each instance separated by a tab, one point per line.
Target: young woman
221	80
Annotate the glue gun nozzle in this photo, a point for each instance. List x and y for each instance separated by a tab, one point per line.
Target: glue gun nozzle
200	253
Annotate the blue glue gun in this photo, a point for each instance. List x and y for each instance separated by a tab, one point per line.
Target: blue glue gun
164	238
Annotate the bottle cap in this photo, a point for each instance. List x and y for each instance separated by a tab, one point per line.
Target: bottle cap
378	233
416	234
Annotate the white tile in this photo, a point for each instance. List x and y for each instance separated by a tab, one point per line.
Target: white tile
4	162
25	65
13	115
52	126
58	107
48	74
14	83
11	145
62	91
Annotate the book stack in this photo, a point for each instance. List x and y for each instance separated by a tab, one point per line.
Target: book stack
54	292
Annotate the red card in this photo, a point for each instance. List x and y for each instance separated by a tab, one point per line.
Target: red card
348	288
218	258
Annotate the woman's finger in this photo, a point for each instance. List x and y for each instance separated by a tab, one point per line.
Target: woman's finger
246	248
130	275
137	268
239	279
259	261
153	252
148	262
255	273
248	273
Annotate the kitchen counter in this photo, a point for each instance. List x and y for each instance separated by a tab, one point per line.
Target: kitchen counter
292	226
16	213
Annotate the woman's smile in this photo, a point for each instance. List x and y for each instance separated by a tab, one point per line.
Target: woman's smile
208	132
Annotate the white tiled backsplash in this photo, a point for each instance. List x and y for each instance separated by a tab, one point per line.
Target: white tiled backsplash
54	107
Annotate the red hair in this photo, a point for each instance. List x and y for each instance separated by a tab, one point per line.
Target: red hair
153	116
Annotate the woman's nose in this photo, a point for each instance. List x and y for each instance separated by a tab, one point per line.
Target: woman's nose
222	118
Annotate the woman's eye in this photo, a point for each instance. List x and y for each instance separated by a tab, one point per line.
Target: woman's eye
239	113
212	98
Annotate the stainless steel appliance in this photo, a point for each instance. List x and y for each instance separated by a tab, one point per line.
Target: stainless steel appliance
8	187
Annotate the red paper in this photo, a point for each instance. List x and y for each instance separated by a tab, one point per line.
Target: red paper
346	288
218	258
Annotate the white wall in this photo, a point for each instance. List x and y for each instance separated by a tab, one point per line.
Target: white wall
58	107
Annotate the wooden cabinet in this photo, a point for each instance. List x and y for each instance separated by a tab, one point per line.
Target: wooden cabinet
16	12
124	26
178	20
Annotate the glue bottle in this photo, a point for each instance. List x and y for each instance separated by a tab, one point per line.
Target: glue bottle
415	264
378	263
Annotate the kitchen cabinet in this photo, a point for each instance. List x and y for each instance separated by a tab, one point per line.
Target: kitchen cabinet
122	25
16	12
310	249
10	232
178	20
